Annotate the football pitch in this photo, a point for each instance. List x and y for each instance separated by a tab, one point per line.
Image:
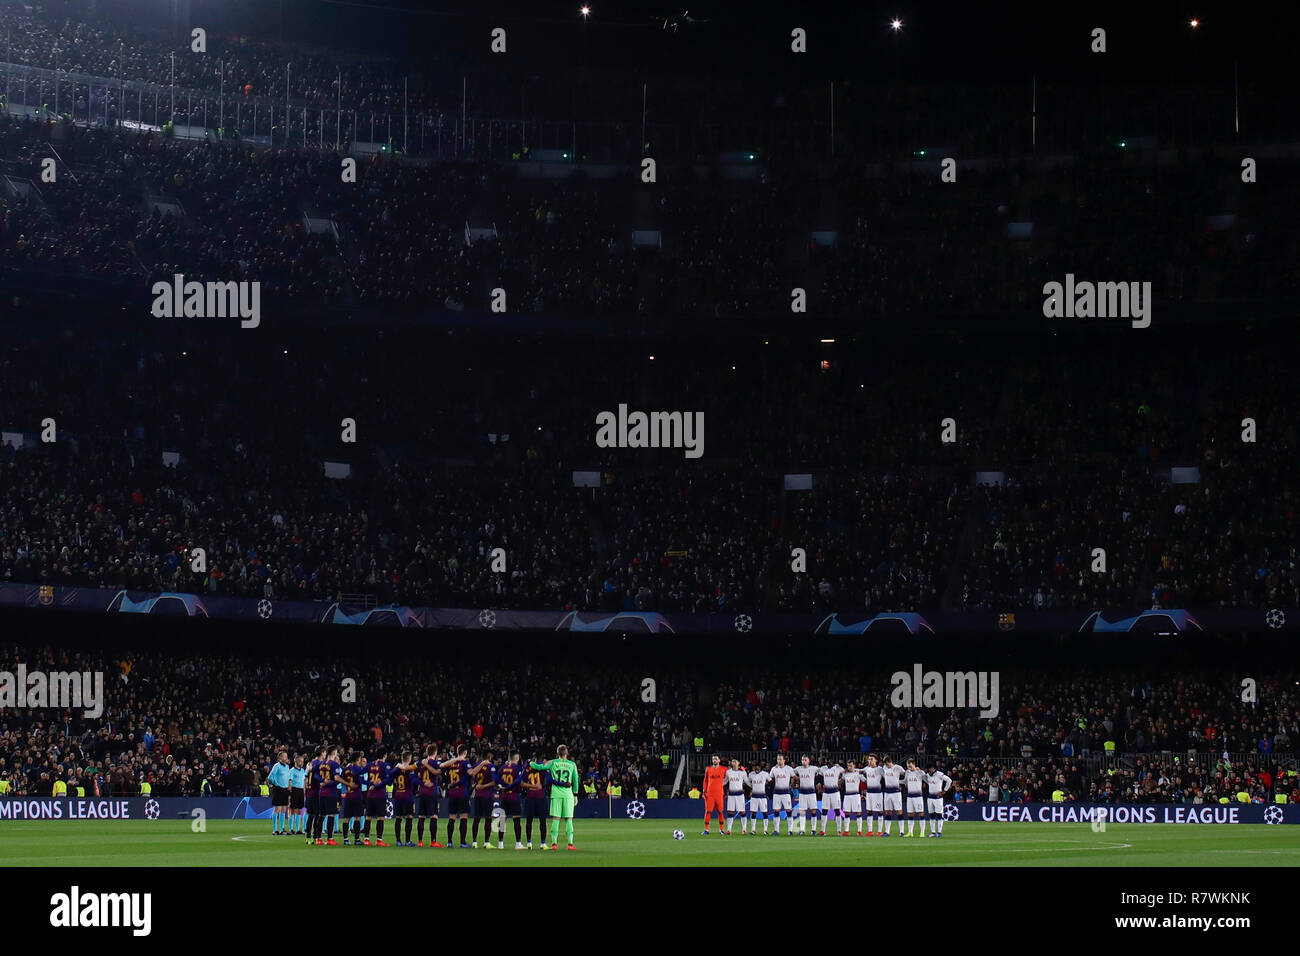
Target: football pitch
244	843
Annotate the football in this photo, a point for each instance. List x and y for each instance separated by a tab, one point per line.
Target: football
679	835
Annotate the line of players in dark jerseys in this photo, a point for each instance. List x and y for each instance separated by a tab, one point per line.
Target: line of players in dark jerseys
355	793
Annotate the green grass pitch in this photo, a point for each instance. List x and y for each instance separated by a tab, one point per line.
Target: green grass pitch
650	843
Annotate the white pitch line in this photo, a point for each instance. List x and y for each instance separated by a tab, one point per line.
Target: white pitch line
1246	851
1046	846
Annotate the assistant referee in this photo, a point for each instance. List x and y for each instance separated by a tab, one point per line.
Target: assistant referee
279	778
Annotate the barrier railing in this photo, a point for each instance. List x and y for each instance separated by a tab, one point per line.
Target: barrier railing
263	119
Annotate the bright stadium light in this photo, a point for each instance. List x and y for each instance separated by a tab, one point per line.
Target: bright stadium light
1194	23
896	24
585	11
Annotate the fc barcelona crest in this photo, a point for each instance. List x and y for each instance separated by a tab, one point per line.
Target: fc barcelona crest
46	594
1006	621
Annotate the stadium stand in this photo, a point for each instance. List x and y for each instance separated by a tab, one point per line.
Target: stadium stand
440	479
175	719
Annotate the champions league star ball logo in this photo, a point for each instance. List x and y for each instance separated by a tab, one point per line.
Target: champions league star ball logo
743	623
487	619
1275	618
498	820
151	809
1273	815
264	609
388	808
635	810
950	812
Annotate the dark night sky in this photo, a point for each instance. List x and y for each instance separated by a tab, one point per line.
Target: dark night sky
941	42
739	61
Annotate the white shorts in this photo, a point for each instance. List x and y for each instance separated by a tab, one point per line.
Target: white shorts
874	801
894	802
758	804
780	801
936	805
830	800
735	803
808	801
916	804
852	803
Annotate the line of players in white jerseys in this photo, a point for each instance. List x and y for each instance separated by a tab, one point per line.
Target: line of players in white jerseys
851	795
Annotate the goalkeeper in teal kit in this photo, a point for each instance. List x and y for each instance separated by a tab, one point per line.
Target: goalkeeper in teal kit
564	793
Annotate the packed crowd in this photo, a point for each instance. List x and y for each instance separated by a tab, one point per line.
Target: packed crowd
177	721
1082	445
1147	733
730	248
195	723
1144	779
1007	516
105	46
1038	717
917	244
